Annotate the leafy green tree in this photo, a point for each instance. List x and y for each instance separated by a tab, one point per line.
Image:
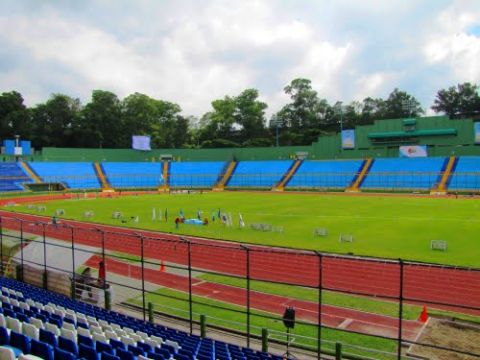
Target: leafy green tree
462	100
249	114
166	126
218	123
139	114
395	105
14	116
101	121
305	117
305	110
55	122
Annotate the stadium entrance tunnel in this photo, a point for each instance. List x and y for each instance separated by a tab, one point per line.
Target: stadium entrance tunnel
50	186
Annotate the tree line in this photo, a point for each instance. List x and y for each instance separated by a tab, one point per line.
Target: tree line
233	121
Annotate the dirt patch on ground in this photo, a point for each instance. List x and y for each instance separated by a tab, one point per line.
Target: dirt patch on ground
456	335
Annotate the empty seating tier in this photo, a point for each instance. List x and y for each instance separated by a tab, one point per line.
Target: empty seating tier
258	174
334	174
404	173
73	175
466	175
50	326
133	174
12	176
195	174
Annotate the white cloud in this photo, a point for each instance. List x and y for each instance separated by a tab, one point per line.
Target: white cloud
193	52
449	44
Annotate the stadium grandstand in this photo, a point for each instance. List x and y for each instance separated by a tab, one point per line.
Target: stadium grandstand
424	154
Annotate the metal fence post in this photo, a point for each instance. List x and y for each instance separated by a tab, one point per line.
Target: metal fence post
190	301
21	250
247	259
264	340
319	308
142	259
400	312
45	276
338	351
203	326
74	277
150	312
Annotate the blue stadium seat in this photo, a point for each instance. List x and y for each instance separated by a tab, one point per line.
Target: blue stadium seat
326	174
48	337
4	337
20	342
125	355
74	175
404	173
67	345
144	347
117	344
106	356
466	175
85	340
12	176
64	355
258	174
155	356
42	350
135	350
202	174
87	352
133	175
102	347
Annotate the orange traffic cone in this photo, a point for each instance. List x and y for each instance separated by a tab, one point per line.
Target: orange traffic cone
424	315
162	266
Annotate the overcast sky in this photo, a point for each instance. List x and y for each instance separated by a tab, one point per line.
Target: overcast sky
194	51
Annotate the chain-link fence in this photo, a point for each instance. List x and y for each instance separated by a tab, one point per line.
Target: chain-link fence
360	307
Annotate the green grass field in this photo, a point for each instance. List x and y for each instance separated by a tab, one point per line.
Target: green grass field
383	226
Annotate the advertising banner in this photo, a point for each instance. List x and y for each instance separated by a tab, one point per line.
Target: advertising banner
476	130
413	151
348	139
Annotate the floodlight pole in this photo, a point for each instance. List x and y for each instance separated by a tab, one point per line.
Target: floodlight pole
339	109
276	135
408	105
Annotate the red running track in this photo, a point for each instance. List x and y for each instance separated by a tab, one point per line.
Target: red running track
332	316
453	288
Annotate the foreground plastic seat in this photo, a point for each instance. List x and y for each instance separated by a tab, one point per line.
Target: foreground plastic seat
154	356
106	356
102	347
124	355
87	352
67	345
20	341
4	337
64	355
42	350
85	340
48	337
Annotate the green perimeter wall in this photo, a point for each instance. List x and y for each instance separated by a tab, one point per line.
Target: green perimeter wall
327	147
